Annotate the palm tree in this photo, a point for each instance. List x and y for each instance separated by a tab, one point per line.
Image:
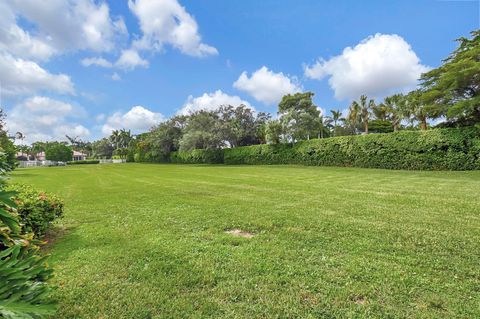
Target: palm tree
336	117
124	138
380	112
115	138
365	111
417	110
324	125
353	115
394	106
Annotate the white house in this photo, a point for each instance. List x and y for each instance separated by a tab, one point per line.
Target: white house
79	156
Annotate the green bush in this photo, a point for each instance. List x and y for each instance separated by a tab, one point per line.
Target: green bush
59	152
36	210
24	292
83	162
438	149
214	156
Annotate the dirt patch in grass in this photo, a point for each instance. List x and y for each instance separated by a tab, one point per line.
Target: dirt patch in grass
239	233
359	299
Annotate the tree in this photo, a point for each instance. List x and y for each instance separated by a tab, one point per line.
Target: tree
379	112
274	132
395	110
115	138
79	145
102	148
56	151
336	117
124	138
353	116
202	131
165	137
6	145
364	111
324	126
241	126
298	116
453	89
416	110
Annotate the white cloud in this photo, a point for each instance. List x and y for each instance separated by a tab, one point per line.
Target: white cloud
211	101
96	61
266	86
138	119
167	22
116	77
41	118
19	76
59	26
379	65
130	59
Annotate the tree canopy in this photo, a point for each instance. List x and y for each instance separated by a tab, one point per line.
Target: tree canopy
453	89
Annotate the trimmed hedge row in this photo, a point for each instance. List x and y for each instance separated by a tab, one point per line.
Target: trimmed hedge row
437	149
83	162
198	157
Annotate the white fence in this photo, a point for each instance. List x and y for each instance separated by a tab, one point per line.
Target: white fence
23	164
110	161
39	163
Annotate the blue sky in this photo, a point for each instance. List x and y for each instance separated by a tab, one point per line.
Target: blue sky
161	57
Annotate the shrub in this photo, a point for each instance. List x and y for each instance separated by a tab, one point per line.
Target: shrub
24	292
56	151
83	162
36	210
438	149
213	156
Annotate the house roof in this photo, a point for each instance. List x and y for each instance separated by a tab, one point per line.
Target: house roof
75	153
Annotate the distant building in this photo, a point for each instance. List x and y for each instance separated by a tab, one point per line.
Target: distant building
40	156
79	156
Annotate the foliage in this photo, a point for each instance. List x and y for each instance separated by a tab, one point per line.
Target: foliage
440	149
102	148
162	139
202	131
56	151
298	116
415	109
36	210
198	156
274	132
380	126
241	126
336	118
453	89
79	145
83	162
9	149
24	292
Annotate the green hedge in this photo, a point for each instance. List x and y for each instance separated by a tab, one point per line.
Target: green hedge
197	157
83	162
438	149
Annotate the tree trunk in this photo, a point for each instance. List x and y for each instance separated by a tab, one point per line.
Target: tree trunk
423	124
366	127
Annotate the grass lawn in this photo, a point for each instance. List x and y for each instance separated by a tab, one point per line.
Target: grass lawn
149	241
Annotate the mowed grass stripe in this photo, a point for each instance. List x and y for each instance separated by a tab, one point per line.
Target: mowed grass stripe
149	241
